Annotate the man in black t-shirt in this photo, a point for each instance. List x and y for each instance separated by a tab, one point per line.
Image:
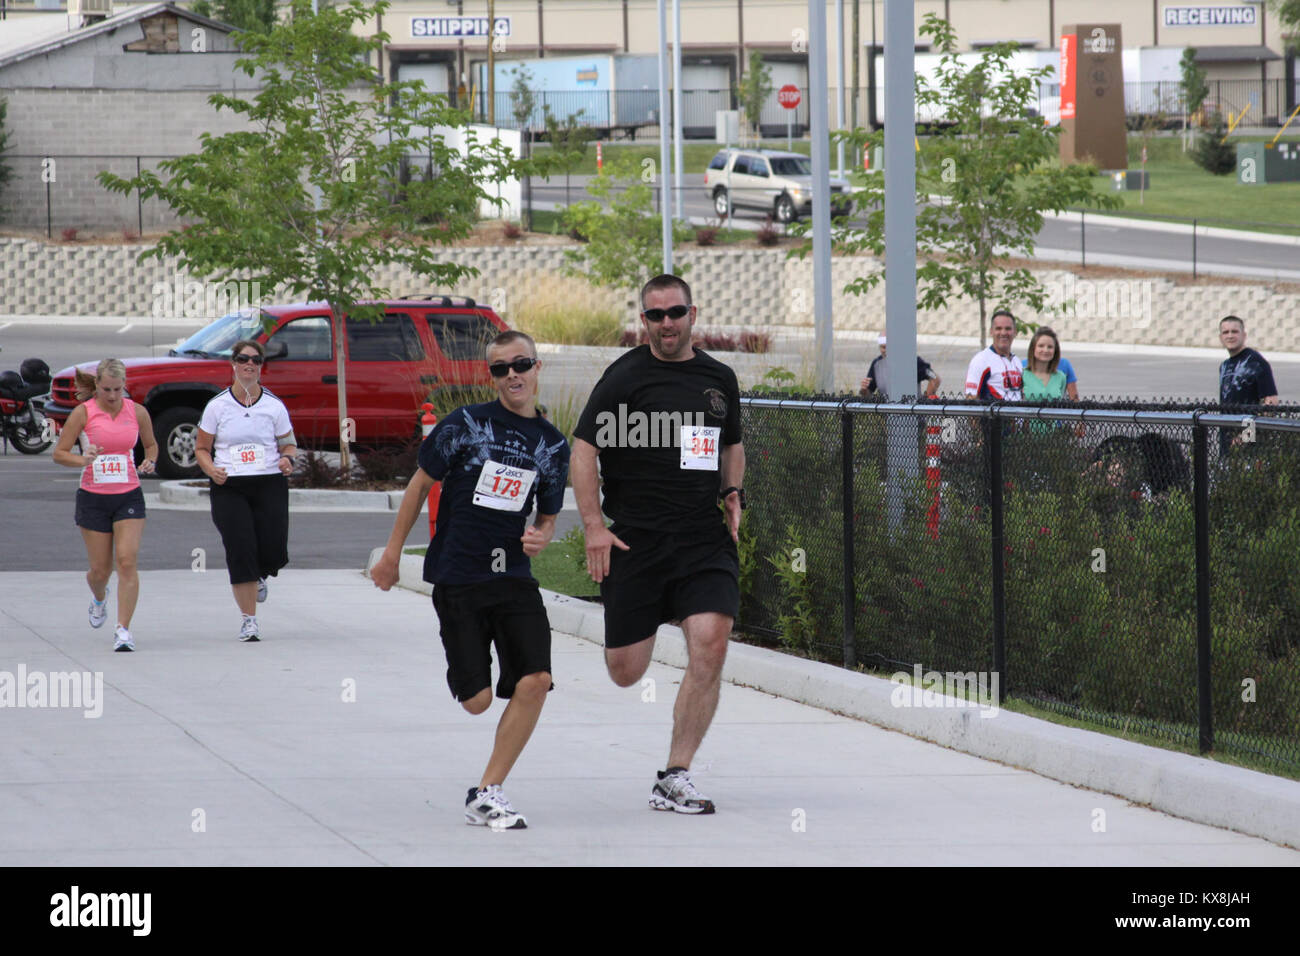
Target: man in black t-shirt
664	422
875	380
493	460
1245	377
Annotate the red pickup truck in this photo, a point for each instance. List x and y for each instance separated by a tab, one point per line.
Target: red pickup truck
424	348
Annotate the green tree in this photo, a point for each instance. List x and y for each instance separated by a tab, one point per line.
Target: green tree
251	16
322	124
523	101
1213	152
1194	86
568	141
623	236
1288	12
997	171
753	90
5	172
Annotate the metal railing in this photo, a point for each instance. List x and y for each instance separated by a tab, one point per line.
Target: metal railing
1128	566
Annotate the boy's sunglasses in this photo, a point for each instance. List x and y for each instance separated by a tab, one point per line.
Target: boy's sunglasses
520	365
657	315
242	359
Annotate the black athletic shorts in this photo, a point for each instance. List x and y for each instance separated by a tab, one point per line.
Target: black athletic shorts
507	612
667	576
96	512
252	514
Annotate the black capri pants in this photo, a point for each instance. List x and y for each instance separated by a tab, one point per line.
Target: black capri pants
252	514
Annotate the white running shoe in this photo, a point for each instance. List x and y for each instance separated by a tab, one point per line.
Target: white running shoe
490	808
98	610
248	630
124	640
261	590
673	790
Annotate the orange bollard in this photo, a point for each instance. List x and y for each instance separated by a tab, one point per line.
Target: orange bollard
427	421
932	478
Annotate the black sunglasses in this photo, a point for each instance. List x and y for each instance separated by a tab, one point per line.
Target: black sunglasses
520	365
657	315
243	359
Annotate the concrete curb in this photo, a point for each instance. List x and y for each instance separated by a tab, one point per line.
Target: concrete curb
1193	788
1160	225
183	494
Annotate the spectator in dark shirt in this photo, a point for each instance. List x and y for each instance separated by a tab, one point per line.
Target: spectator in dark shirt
1245	377
876	381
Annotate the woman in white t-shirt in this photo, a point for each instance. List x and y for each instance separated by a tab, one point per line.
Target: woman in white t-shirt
246	447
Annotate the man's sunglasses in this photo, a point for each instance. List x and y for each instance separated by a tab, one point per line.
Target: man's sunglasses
657	315
242	359
520	365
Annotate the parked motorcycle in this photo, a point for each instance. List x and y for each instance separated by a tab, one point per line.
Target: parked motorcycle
22	423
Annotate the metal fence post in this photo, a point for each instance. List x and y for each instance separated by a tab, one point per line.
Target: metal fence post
49	219
1193	248
999	580
847	492
1201	494
139	201
1083	240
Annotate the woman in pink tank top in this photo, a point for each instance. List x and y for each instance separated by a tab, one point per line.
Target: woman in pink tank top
110	503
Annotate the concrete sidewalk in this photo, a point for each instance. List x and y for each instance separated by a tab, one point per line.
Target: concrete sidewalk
334	741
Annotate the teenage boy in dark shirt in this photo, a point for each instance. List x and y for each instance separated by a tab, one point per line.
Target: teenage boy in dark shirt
493	460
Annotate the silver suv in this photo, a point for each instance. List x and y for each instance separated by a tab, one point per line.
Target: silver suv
770	181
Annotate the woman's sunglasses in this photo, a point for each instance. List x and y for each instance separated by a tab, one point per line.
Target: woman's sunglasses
242	359
657	315
520	365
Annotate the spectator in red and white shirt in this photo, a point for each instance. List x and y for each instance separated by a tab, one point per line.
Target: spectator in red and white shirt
995	373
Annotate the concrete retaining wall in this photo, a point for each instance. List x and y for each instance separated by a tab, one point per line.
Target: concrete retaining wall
733	287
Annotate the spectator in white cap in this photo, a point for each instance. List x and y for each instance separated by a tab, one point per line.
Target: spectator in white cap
877	382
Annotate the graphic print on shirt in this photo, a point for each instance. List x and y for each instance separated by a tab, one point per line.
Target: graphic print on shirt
477	444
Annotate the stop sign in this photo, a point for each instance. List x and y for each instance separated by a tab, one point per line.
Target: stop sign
788	96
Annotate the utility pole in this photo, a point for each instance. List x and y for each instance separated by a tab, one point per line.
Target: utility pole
492	64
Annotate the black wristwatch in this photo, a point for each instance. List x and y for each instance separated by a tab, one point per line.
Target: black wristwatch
722	496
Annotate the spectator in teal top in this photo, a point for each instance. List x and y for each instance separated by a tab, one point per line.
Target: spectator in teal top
1044	382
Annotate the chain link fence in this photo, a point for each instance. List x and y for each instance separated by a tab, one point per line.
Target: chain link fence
1129	565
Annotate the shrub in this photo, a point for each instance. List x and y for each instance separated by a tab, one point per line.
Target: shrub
69	234
1214	155
631	337
390	462
705	236
511	230
315	470
768	234
715	341
556	315
758	342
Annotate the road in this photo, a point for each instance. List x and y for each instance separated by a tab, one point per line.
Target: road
1115	372
1107	243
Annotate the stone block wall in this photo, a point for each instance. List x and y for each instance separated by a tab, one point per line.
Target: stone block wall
733	287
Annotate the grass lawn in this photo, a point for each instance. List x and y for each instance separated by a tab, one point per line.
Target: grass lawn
1181	188
555	569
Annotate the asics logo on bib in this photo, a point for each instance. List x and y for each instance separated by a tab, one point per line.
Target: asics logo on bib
635	429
